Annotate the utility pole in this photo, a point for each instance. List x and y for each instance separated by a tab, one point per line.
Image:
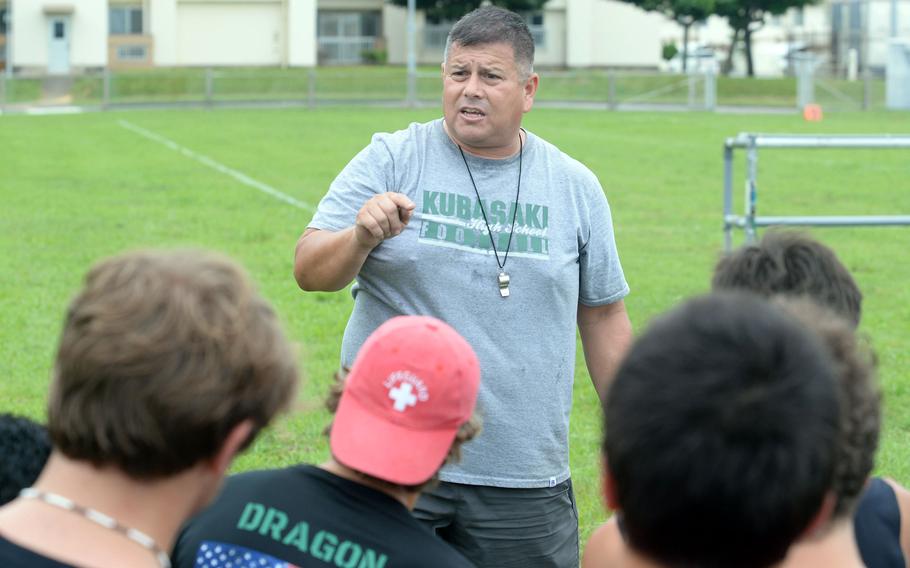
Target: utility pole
412	53
9	38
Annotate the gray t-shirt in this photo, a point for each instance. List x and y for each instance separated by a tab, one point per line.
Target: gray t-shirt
562	253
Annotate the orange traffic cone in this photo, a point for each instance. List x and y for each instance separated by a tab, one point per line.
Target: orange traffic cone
812	112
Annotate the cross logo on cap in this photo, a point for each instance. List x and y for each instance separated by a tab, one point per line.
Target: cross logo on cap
403	396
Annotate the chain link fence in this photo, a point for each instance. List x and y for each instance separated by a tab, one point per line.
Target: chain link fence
614	90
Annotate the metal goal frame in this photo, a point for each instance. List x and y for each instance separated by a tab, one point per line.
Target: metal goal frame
750	142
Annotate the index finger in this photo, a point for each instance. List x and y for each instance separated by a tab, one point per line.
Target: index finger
402	201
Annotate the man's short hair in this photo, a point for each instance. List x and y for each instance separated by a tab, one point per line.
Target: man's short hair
490	24
854	363
793	264
162	354
24	449
721	428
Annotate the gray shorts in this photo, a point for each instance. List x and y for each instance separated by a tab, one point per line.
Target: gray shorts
496	527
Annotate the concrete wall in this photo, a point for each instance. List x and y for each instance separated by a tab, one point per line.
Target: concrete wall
161	23
230	34
394	29
578	33
880	28
301	33
31	33
551	53
601	33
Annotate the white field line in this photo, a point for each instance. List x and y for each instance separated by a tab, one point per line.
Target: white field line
217	166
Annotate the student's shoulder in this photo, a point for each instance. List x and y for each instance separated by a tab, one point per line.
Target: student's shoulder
261	477
255	484
901	496
14	556
605	546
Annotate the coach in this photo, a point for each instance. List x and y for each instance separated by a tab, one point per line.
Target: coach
474	220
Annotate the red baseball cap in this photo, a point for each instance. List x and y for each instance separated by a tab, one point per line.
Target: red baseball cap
413	384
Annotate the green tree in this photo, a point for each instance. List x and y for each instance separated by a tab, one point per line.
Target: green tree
747	17
683	12
448	10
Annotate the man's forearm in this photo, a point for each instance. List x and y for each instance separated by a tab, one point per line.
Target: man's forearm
606	334
326	260
603	360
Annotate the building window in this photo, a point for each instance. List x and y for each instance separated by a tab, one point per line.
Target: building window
132	53
4	14
535	25
349	24
344	36
800	16
126	20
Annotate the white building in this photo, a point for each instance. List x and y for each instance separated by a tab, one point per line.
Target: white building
63	36
567	33
828	30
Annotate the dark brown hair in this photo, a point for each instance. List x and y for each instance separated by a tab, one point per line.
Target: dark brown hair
491	24
721	433
791	263
161	355
24	447
860	399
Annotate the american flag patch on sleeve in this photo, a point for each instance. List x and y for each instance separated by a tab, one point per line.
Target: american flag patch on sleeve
222	555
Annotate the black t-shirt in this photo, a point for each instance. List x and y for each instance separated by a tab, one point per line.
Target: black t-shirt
306	517
14	556
877	524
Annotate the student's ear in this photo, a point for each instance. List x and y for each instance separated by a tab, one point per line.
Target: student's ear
235	441
822	517
608	485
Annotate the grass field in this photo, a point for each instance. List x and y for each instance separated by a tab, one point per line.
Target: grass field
76	188
388	83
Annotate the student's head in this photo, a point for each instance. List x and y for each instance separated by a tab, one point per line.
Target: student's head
720	434
24	449
165	356
793	264
407	404
488	80
854	365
